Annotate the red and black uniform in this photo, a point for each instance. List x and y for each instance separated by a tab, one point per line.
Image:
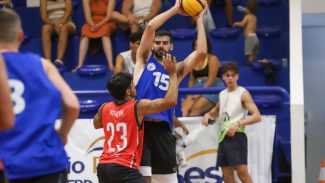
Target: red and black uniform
123	143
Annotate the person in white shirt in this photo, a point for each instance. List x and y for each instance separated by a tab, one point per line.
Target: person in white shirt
139	12
234	104
125	61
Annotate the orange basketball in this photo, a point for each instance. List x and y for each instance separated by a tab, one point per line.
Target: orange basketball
192	7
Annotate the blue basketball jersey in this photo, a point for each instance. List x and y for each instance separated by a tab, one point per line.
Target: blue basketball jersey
32	147
153	84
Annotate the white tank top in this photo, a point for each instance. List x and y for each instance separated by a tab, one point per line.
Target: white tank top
231	109
128	65
141	7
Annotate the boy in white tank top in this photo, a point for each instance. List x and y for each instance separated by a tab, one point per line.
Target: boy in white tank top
125	61
231	111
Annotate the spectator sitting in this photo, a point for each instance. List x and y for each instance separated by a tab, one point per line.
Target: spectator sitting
249	23
56	15
5	4
125	61
203	75
99	24
139	12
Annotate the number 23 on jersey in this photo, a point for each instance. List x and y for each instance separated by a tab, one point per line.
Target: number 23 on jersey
118	136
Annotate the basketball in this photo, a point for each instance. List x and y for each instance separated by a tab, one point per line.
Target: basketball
192	7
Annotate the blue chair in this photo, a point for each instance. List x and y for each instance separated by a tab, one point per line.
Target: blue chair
268	31
31	20
92	70
183	33
88	105
224	32
268	2
275	62
268	100
61	69
19	3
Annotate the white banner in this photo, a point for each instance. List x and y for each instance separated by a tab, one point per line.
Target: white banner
85	146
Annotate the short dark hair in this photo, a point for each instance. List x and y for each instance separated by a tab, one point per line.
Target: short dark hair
251	5
10	25
160	33
230	66
136	36
208	44
118	84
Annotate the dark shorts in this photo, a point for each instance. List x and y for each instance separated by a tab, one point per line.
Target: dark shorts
232	151
159	148
2	176
49	178
113	173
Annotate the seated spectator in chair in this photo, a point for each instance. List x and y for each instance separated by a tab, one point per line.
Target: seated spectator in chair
125	61
100	24
204	75
56	15
139	12
249	24
6	4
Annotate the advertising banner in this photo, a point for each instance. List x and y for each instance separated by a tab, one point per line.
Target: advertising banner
199	148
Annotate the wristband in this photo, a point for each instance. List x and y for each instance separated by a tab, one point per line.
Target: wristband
238	124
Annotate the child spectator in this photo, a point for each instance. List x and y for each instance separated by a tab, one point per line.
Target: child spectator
249	24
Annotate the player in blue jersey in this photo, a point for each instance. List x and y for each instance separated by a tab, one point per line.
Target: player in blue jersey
6	113
33	151
151	80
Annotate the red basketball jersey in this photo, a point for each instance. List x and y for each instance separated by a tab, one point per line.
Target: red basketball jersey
123	135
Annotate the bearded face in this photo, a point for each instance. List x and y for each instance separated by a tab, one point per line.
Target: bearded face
161	46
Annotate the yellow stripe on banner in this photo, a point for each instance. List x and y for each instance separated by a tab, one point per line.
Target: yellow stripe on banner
201	153
92	144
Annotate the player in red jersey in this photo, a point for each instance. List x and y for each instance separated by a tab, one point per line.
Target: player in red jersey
123	128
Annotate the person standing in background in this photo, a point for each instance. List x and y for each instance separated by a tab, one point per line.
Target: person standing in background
234	104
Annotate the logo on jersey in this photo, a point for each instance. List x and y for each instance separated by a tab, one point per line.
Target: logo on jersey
151	66
225	116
